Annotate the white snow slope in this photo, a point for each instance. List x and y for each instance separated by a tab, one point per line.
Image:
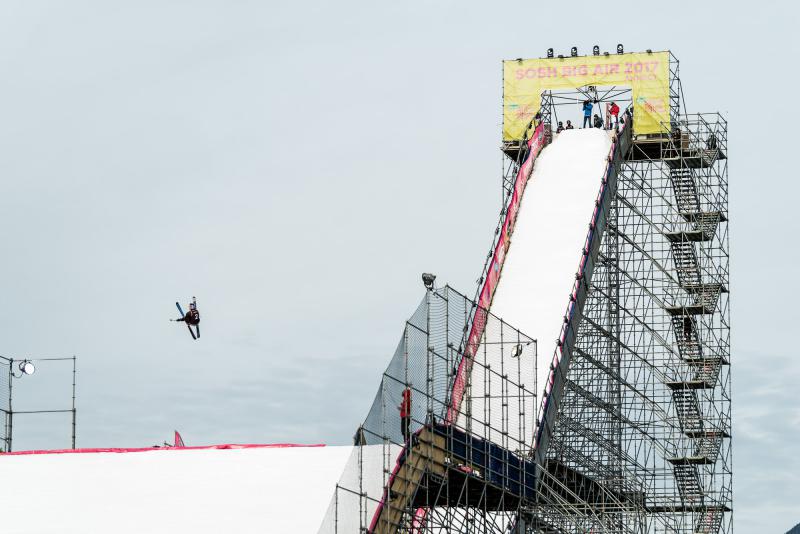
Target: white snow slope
260	489
543	258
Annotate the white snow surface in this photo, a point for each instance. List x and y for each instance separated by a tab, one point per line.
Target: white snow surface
172	490
553	222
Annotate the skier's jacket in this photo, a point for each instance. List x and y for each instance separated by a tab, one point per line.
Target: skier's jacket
587	109
614	110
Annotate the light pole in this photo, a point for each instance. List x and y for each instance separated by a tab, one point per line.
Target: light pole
26	367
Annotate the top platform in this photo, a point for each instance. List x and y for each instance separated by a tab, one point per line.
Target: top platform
676	151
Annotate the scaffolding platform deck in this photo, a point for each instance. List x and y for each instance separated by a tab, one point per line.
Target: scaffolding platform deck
674	151
690	384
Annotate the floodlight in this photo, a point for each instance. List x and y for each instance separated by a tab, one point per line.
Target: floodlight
549	53
428	279
596	50
573	51
620	50
27	367
516	352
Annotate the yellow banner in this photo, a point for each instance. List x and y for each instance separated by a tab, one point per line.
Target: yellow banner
646	74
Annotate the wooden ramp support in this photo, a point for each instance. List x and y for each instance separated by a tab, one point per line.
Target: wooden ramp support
445	466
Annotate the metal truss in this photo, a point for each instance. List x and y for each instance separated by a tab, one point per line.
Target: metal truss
642	436
647	404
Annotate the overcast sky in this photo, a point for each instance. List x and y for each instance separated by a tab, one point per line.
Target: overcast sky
296	167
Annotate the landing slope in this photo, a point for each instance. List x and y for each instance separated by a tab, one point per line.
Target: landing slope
255	489
549	236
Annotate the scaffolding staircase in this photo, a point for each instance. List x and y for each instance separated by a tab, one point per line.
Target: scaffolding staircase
710	521
688	340
707	446
686	196
686	264
705	371
688	481
705	223
702	370
687	407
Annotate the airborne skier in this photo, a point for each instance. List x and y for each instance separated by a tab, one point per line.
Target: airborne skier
191	318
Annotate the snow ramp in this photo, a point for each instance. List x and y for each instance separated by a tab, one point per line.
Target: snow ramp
541	274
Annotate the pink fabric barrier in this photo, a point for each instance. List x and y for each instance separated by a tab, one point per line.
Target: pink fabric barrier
146	449
535	145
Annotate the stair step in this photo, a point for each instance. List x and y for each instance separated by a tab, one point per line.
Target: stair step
686	263
709	522
708	447
688	481
686	336
685	189
687	408
706	370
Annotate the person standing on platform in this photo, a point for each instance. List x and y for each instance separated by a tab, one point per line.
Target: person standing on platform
587	113
569	126
598	122
405	414
560	127
613	111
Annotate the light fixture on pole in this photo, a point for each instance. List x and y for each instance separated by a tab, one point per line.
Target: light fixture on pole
516	352
27	367
427	280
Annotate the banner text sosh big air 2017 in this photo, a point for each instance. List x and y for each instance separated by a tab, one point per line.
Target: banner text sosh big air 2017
646	74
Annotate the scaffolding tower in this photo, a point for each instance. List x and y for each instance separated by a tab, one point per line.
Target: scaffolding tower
639	440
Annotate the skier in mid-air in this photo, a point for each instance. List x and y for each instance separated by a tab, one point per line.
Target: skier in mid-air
191	318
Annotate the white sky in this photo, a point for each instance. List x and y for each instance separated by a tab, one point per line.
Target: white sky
310	160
